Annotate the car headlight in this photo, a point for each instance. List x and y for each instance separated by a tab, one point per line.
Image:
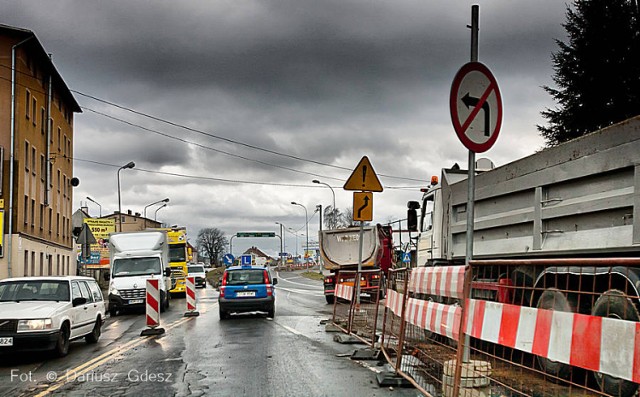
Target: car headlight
114	291
40	324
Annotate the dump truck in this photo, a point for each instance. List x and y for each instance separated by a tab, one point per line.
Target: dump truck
567	217
339	249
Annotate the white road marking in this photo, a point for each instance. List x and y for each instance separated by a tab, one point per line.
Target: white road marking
293	331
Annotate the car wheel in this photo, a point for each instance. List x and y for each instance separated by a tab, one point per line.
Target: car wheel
113	311
95	332
272	312
62	344
615	304
330	299
223	315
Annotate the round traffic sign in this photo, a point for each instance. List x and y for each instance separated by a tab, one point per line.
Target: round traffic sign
476	107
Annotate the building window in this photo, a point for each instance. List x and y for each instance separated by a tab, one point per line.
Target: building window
58	261
57	224
41	260
51	176
50	220
64	147
26	155
59	133
27	104
58	266
33	160
33	213
26	264
26	210
33	257
43	121
51	129
43	167
59	181
41	216
34	109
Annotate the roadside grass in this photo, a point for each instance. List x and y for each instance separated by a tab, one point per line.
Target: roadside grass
313	275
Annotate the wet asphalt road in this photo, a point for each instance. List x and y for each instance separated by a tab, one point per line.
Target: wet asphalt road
247	355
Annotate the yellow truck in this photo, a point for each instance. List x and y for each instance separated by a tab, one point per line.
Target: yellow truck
178	258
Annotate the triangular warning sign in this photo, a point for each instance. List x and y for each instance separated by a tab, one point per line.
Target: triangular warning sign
363	178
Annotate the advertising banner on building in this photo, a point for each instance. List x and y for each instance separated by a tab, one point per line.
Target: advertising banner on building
100	228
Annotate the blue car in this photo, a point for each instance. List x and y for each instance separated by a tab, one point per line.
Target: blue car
247	289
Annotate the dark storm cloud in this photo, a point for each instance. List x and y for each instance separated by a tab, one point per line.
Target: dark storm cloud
328	80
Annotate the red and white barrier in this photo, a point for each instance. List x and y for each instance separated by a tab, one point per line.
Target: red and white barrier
190	284
439	281
606	345
153	308
344	291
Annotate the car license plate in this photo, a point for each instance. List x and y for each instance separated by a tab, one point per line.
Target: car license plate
246	293
136	301
6	341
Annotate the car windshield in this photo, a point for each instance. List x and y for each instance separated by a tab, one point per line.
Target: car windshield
242	277
34	290
196	269
135	267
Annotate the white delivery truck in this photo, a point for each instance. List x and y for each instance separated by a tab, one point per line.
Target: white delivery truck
135	258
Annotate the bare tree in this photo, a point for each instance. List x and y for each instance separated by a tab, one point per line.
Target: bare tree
213	243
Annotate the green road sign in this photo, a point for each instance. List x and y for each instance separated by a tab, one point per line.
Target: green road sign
256	234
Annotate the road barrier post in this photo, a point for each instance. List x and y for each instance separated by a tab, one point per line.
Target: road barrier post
190	283
153	309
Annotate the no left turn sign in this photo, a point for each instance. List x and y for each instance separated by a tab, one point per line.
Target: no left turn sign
476	107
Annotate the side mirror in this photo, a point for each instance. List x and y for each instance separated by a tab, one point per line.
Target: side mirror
274	281
107	276
167	272
79	301
412	220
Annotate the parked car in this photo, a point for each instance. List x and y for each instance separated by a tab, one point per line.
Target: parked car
45	313
199	273
247	289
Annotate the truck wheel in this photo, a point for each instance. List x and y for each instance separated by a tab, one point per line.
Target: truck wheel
614	304
553	299
330	299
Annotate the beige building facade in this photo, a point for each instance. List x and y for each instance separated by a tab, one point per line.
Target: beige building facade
36	143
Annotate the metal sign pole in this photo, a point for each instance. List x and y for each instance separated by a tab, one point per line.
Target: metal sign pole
475	11
357	281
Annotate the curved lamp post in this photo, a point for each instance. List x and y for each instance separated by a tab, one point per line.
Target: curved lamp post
155	216
147	206
306	222
130	164
95	202
335	221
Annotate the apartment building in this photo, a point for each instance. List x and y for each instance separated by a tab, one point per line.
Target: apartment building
36	146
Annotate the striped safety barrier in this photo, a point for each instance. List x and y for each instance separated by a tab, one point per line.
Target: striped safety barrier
344	291
439	281
606	345
152	308
190	284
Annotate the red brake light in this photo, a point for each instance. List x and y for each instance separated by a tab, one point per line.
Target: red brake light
266	277
224	278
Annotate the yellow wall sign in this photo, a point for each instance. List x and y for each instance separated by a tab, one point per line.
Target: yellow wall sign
362	206
363	178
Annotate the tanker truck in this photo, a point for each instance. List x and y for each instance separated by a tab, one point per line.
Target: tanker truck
339	249
566	218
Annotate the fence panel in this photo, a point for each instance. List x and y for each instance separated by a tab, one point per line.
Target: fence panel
557	328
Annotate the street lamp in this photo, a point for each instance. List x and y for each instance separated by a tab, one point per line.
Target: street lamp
295	234
95	202
306	222
130	164
335	221
155	216
145	209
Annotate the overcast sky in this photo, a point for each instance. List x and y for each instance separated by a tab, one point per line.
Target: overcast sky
251	100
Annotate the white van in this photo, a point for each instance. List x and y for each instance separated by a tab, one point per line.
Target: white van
135	258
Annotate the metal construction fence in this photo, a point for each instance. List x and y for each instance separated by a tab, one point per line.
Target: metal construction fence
535	328
353	314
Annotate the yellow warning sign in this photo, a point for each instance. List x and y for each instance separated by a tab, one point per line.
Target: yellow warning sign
362	206
363	178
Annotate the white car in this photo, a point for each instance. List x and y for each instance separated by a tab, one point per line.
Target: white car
45	313
200	275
